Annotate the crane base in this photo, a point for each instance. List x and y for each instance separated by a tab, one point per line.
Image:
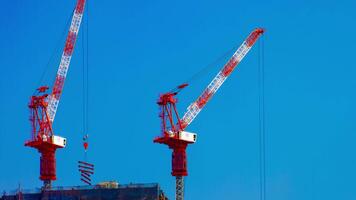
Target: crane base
47	160
179	157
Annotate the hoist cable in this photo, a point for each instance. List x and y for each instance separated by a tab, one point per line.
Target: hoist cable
262	137
85	74
87	59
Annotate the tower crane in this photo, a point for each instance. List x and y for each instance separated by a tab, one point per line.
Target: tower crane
43	107
173	128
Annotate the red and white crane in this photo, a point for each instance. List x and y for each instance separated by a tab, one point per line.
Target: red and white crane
43	106
173	127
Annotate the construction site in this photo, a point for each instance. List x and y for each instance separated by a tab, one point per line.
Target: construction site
101	136
45	102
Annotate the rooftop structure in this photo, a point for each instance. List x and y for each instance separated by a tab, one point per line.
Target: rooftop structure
105	190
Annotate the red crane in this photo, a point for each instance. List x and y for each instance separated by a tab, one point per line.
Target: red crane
43	107
173	127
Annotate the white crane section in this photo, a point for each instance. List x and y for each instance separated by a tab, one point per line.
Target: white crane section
194	108
53	99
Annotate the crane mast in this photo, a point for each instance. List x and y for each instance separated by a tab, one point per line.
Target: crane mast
43	107
173	127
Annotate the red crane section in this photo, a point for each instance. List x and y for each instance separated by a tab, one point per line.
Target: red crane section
173	128
43	107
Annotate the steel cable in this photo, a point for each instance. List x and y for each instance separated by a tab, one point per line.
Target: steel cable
262	141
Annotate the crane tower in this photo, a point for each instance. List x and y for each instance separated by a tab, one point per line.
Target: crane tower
173	128
43	107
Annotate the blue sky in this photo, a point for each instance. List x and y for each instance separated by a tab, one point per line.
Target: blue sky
139	49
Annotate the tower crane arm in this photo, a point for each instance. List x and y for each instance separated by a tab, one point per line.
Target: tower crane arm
194	108
54	97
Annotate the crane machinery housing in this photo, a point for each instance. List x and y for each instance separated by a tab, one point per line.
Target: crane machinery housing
173	128
43	107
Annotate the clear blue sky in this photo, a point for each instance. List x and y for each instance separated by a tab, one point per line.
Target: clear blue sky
139	49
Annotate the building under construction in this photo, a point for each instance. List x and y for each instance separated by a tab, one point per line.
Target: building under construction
107	191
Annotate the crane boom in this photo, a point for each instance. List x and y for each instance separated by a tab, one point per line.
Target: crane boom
194	108
53	98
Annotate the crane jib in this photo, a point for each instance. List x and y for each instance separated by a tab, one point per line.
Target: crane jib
194	109
53	99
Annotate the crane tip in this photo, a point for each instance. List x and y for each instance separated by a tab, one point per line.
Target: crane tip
260	30
182	85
